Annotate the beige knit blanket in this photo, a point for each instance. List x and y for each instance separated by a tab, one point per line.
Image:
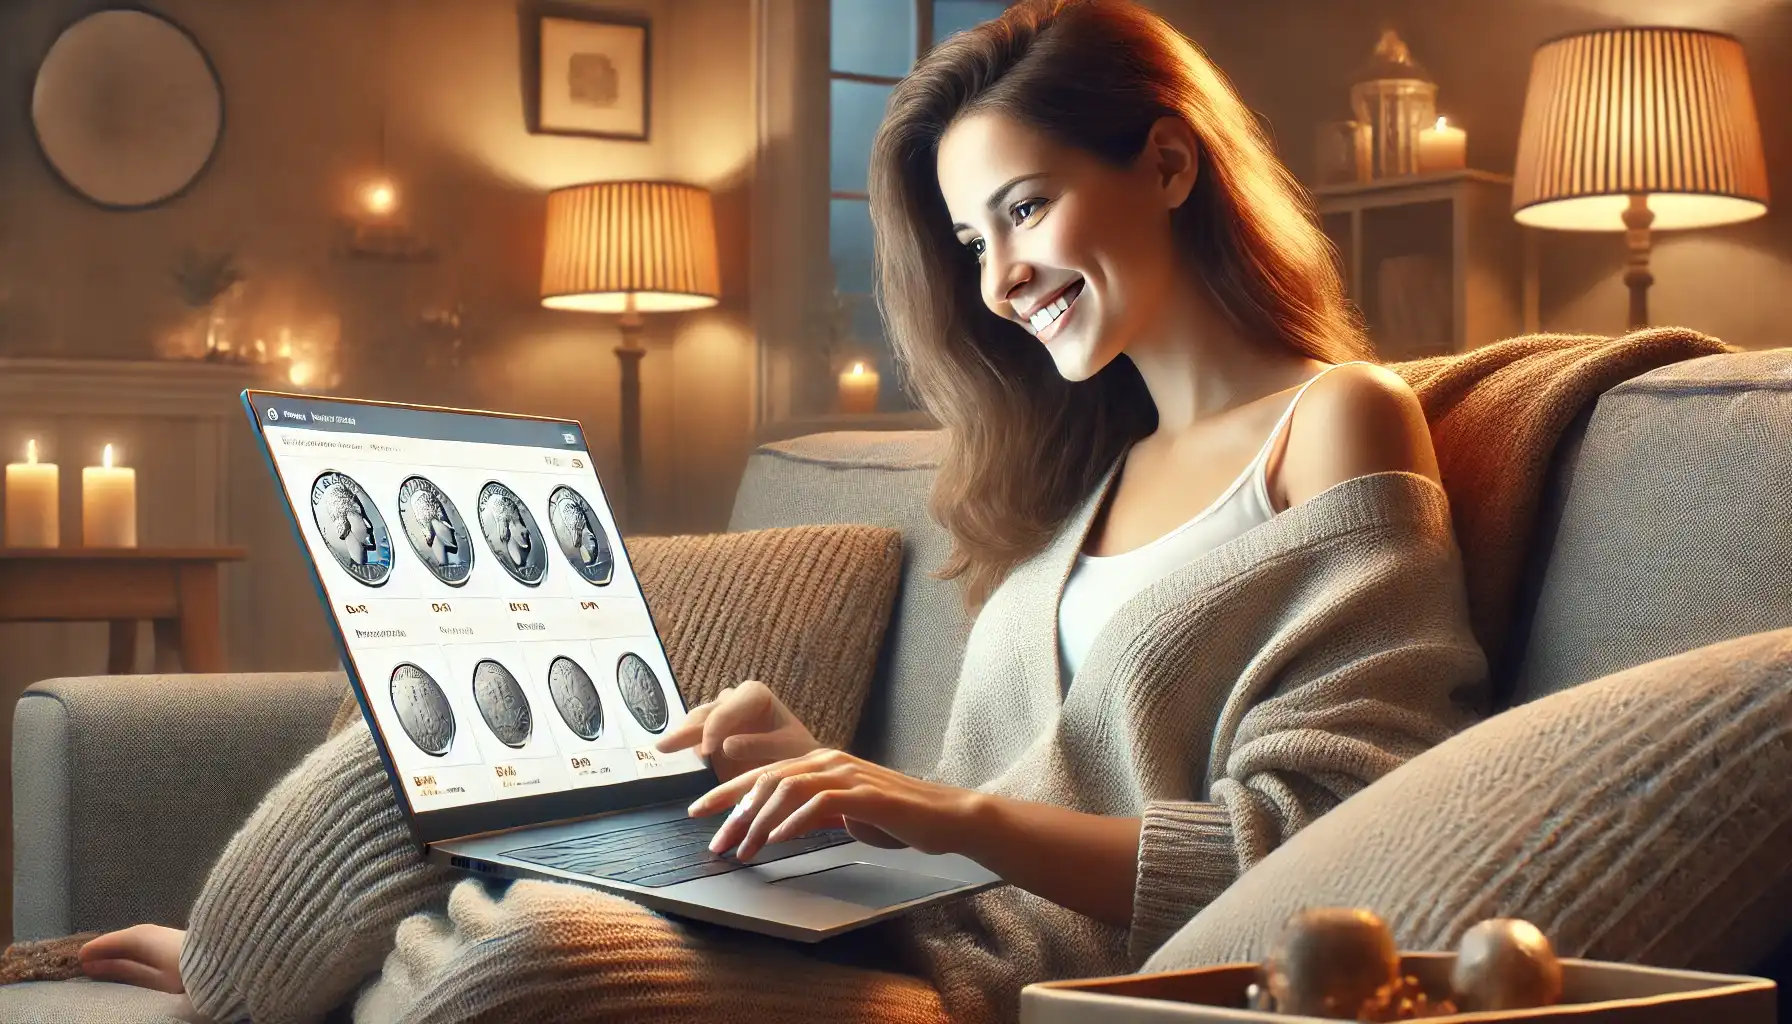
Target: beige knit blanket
1496	414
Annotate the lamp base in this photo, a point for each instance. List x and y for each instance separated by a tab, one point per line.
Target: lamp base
1637	218
628	358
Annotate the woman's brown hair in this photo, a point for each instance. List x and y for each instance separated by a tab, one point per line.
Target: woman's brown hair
1024	446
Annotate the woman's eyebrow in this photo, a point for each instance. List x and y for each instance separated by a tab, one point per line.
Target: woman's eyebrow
995	198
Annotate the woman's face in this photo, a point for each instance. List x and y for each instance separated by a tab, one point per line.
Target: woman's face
1076	251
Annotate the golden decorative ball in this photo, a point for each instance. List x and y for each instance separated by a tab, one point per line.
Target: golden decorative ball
1505	964
1329	961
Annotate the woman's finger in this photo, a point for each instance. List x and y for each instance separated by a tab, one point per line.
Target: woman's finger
688	731
827	809
764	746
746	710
787	796
729	793
736	824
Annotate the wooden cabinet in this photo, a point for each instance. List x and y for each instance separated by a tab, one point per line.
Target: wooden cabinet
1434	261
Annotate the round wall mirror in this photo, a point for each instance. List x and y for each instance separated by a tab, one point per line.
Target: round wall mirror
127	108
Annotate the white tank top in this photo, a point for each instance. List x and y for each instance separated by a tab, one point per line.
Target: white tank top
1099	584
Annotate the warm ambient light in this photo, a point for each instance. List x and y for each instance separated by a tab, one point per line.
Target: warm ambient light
299	374
380	197
1663	114
611	243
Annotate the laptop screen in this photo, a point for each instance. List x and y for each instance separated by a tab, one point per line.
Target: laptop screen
485	603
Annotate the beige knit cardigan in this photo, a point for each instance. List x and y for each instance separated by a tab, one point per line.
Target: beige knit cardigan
1229	705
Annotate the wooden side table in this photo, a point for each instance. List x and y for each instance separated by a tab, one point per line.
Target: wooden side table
174	588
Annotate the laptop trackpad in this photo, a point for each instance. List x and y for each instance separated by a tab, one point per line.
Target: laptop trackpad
868	885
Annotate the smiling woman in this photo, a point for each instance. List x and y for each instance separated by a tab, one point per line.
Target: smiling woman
1105	194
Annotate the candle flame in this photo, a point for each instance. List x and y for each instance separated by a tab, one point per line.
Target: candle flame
1440	124
31	451
858	369
106	459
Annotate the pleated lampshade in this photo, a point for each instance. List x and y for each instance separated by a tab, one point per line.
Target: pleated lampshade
1664	113
610	243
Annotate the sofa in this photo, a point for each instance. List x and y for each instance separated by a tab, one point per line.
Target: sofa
1664	527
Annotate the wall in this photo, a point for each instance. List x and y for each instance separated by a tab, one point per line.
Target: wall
1292	60
311	87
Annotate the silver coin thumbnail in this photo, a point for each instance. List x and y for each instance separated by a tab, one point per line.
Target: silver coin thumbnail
581	536
352	528
437	533
576	697
422	709
641	692
511	533
502	703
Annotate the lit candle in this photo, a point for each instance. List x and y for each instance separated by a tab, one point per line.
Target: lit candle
32	517
1442	148
858	389
108	505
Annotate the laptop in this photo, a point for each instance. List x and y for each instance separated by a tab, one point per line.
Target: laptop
503	655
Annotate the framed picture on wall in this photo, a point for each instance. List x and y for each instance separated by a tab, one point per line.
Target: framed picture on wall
591	72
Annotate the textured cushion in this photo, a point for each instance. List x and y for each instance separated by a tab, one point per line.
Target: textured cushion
803	610
1645	817
91	1002
1675	528
882	478
126	787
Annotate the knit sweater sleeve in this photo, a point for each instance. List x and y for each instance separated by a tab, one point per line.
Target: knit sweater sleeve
1300	738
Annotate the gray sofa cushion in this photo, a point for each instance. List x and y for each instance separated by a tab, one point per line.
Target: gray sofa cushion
1645	817
1676	526
880	478
91	1002
119	779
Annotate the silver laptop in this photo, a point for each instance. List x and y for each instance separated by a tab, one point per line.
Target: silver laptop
503	655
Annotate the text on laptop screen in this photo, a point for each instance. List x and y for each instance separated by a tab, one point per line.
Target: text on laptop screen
473	567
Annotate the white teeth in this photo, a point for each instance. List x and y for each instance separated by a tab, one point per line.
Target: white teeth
1043	319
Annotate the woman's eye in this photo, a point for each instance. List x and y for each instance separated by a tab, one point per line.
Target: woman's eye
975	248
1028	204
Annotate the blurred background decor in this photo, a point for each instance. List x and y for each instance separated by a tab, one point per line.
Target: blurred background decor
127	108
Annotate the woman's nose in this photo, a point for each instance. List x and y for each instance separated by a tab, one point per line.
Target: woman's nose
1002	274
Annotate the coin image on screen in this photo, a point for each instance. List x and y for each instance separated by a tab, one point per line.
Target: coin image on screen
511	533
502	703
581	536
422	709
641	692
576	697
352	528
436	531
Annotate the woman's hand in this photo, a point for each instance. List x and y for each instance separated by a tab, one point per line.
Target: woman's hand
831	789
745	727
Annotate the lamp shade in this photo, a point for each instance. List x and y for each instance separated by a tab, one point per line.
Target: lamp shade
1664	113
610	243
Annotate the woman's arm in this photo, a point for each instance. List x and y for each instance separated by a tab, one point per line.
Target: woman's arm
1084	862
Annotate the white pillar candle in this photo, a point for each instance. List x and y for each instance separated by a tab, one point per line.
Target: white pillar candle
1442	147
108	505
858	390
33	518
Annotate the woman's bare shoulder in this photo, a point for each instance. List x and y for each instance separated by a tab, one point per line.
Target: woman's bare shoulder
1358	419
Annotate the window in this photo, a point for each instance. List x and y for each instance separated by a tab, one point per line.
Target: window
872	44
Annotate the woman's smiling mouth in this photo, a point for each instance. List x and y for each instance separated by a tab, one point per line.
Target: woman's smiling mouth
1049	319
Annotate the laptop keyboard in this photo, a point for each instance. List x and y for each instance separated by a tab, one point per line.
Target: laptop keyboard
663	852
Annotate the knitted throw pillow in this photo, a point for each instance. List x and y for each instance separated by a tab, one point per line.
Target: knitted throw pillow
802	609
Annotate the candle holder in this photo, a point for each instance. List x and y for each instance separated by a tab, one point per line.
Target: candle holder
1396	98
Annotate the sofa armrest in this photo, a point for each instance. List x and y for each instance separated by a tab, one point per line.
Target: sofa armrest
125	788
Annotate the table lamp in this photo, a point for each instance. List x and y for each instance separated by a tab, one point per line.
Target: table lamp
630	247
1639	129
